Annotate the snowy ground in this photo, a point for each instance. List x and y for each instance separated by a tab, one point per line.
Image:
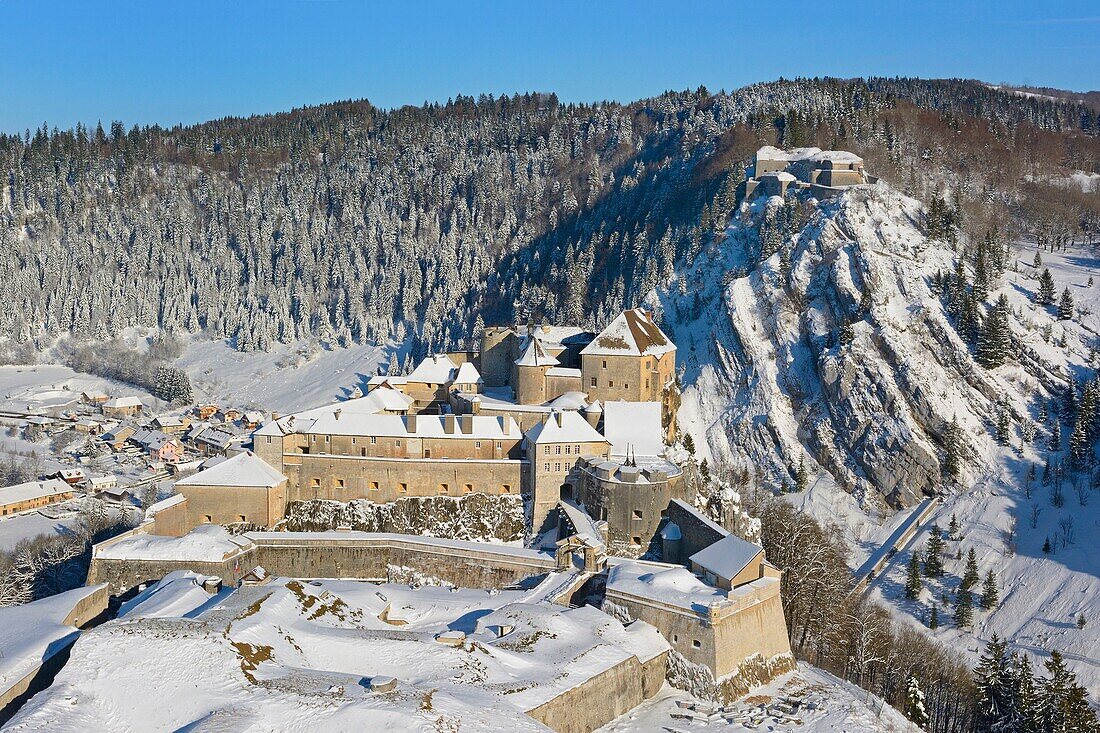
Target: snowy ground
285	379
828	706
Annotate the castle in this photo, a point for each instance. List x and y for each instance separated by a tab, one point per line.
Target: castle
822	172
575	422
548	412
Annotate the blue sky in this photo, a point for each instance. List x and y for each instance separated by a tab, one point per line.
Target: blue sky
192	60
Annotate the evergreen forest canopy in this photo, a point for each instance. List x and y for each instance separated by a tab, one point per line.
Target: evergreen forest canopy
349	223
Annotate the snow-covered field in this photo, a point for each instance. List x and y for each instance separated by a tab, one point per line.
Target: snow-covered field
288	378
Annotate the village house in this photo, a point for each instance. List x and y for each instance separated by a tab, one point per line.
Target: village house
121	407
207	410
33	495
71	476
118	436
94	397
214	441
158	446
171	424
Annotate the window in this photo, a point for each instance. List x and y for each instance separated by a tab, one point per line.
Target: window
695	644
637	513
240	518
505	489
636	540
397	443
593	384
546	450
546	467
313	439
648	363
477	444
373	440
467	488
374	486
567	449
605	364
206	518
339	483
577	449
353	441
611	383
362	452
557	468
647	383
443	488
315	483
626	385
402	488
326	438
427	452
498	445
675	638
557	450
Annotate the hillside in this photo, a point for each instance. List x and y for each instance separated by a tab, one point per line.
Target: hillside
842	350
352	224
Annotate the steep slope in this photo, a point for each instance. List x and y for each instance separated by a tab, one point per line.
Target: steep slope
766	377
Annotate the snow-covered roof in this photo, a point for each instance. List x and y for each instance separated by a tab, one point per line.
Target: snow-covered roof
569	401
536	355
435	369
780	176
769	152
838	156
583	524
165	421
726	557
556	336
468	374
124	402
564	426
33	490
382	399
559	371
244	469
633	427
633	332
484	427
215	437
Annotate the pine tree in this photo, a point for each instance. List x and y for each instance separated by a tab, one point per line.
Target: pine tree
1055	442
1046	546
801	476
1080	447
990	593
964	607
996	704
995	336
970	574
1065	306
1063	703
1045	296
934	616
914	703
913	581
847	333
933	560
1038	262
980	289
689	443
953	528
1025	697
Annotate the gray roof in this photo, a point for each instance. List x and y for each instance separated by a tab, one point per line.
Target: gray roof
727	557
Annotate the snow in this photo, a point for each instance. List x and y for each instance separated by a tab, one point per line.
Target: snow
468	374
535	355
633	427
294	656
583	524
564	427
726	557
33	490
485	427
205	543
244	470
434	369
36	631
828	706
631	332
673	585
285	379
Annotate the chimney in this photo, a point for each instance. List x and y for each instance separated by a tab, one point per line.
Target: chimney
449	423
560	417
466	424
410	423
274	416
475	405
336	414
506	425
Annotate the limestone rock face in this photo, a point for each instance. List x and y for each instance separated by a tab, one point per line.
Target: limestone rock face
833	351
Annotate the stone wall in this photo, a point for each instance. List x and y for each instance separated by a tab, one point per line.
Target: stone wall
633	510
722	637
698	532
230	504
337	555
603	697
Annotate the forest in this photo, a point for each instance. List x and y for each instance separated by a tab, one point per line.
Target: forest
348	223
